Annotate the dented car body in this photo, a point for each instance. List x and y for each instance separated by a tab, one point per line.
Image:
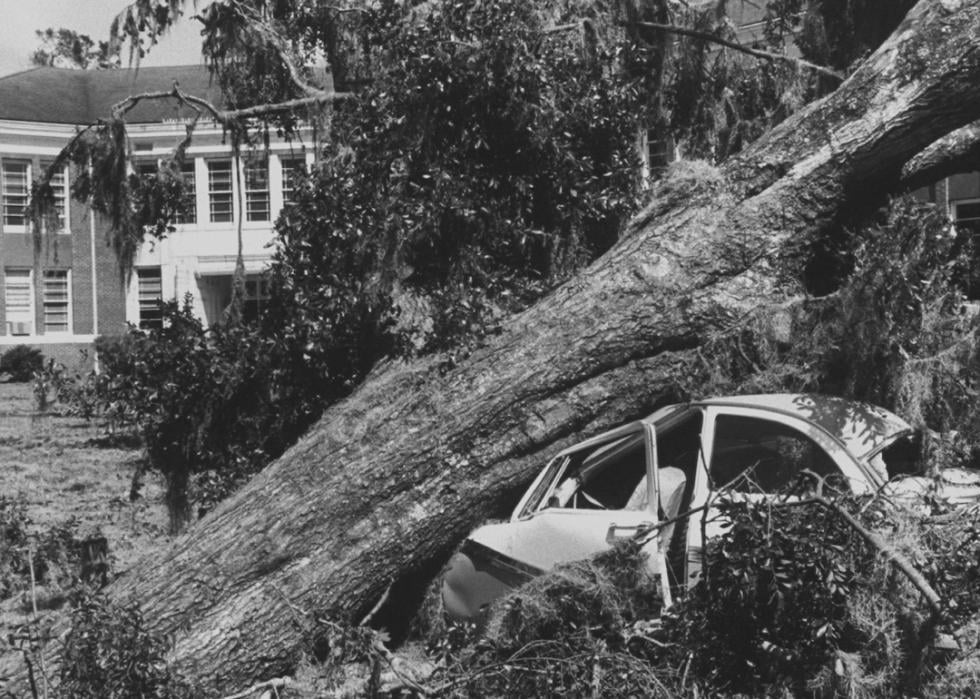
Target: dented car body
683	458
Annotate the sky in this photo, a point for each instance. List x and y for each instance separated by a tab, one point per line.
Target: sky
21	18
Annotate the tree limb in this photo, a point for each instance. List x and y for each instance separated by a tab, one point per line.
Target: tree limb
956	152
226	117
735	46
279	44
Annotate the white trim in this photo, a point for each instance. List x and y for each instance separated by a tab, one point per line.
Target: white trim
30	150
95	274
65	339
37	128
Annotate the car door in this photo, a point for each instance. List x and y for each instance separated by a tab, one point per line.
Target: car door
752	454
591	496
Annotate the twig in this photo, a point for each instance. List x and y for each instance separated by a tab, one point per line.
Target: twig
374	610
894	556
274	684
735	46
562	28
40	659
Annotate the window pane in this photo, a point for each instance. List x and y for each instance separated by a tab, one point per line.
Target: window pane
188	210
220	191
752	455
257	191
55	299
292	168
150	285
256	297
968	211
59	189
15	192
18	293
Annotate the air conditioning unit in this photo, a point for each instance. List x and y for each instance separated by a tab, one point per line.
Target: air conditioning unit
18	328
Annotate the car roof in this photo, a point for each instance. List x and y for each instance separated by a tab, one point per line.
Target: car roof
860	427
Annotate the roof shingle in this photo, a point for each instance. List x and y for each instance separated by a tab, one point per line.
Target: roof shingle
66	96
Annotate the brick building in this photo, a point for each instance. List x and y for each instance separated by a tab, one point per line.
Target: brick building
62	297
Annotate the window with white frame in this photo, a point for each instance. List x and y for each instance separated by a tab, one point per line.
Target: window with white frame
56	301
220	191
257	190
59	193
293	167
256	297
149	282
18	299
16	175
188	200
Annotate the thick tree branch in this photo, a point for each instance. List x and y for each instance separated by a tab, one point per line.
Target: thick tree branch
226	117
954	153
735	46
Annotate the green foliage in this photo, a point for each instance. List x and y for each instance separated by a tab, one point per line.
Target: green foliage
21	362
792	601
187	389
772	606
56	553
66	48
215	404
486	161
109	653
137	204
893	331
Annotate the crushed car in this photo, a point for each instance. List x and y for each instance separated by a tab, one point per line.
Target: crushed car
649	475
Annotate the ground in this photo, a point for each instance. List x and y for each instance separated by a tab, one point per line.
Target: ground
61	468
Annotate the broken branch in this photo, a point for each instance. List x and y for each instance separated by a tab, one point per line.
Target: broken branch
735	46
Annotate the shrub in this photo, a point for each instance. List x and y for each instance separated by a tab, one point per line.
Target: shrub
21	363
61	559
108	653
772	605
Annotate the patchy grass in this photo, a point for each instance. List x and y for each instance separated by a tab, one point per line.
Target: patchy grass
57	468
63	469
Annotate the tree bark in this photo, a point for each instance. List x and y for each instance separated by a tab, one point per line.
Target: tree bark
393	477
952	154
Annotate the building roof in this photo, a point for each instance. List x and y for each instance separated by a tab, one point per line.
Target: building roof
66	96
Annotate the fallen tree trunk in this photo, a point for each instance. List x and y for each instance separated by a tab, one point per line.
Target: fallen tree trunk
393	477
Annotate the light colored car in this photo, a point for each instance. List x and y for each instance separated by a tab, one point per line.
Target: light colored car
684	458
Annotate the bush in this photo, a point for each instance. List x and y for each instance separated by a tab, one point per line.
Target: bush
61	559
21	363
108	653
772	605
792	602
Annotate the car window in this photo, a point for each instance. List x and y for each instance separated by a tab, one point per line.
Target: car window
753	455
601	476
902	457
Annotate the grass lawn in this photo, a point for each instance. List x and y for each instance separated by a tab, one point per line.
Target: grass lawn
60	468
